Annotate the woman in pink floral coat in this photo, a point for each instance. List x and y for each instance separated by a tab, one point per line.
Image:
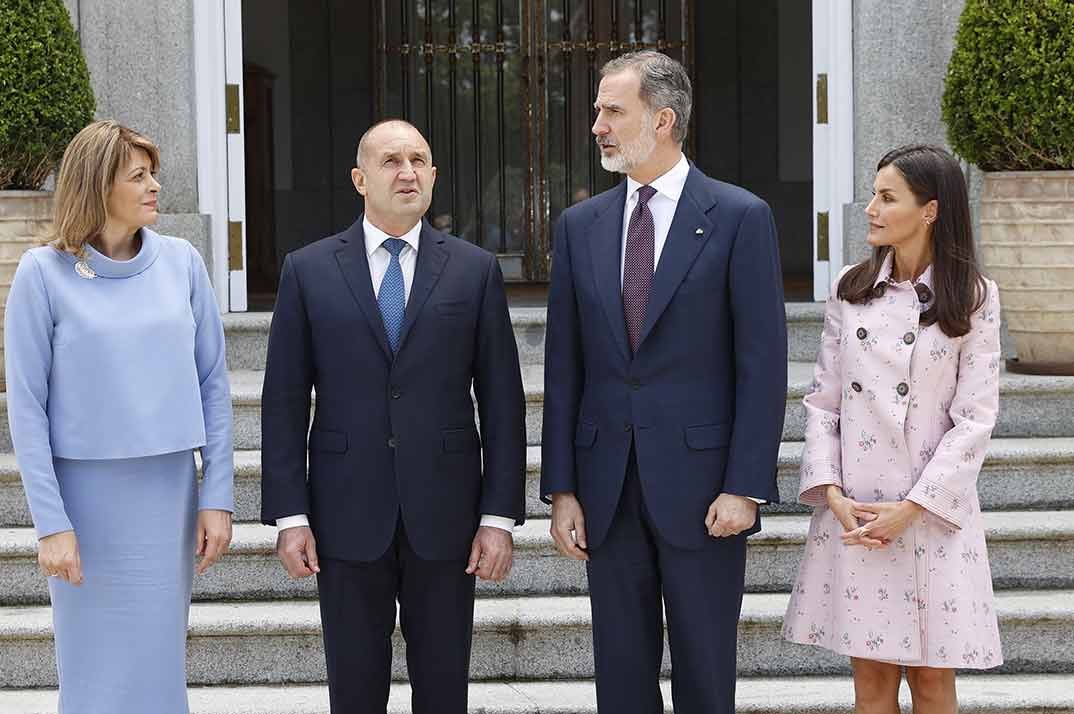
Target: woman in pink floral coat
895	571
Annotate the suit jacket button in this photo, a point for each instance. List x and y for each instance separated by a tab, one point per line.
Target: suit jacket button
909	338
393	442
396	394
855	386
903	389
862	333
635	384
628	426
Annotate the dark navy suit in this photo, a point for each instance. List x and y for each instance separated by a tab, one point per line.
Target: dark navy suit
398	474
648	440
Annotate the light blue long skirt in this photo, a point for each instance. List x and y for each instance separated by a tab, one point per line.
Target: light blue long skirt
121	635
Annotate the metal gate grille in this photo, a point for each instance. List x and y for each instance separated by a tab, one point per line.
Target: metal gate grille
503	90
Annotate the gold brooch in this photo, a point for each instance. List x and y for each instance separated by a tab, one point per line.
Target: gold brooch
84	270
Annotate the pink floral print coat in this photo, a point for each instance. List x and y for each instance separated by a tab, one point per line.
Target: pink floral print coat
897	412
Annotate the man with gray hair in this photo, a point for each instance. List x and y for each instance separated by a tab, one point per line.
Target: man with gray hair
665	385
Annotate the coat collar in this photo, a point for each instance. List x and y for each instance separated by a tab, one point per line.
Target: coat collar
100	265
888	266
354	264
690	230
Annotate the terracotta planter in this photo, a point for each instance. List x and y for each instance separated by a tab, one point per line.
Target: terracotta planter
1027	247
25	217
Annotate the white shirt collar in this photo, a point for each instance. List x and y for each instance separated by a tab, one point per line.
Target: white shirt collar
374	236
669	184
887	270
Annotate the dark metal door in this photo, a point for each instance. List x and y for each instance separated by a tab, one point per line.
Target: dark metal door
503	90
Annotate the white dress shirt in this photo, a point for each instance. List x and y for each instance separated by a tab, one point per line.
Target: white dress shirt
662	205
379	259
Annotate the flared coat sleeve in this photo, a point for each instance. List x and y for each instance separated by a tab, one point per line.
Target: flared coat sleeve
28	328
949	480
822	454
210	358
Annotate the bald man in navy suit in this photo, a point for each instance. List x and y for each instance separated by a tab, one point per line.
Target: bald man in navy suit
392	323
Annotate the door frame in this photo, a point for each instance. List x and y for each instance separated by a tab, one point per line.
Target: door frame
833	139
221	159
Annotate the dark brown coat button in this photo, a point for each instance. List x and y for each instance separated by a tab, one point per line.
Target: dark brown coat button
909	338
923	292
862	333
880	289
903	389
855	386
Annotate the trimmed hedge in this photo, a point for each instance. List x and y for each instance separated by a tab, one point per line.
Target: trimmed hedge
45	95
1009	96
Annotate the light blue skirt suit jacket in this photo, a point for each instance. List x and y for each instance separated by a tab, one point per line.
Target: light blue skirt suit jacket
116	373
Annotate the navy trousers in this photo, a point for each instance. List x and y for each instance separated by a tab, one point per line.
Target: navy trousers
629	574
436	615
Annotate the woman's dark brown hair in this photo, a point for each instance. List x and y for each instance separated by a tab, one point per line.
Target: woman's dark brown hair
957	283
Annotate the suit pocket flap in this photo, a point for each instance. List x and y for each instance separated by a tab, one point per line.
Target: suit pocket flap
334	441
708	436
458	440
585	434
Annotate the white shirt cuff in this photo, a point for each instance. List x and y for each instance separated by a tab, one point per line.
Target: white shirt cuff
292	522
501	522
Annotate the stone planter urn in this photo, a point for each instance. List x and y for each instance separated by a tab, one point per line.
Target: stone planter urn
25	218
1027	247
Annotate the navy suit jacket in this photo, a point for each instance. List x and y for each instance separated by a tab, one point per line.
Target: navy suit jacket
392	434
703	398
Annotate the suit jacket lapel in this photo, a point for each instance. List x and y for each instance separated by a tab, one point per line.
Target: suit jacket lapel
606	251
432	256
354	264
683	244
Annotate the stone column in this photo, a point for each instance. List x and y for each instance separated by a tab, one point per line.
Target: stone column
141	64
901	50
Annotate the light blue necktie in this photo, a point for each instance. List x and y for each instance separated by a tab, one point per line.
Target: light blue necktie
392	295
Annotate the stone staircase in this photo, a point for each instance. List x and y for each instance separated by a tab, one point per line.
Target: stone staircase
255	644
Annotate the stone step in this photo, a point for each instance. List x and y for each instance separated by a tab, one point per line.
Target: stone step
1030	406
1027	549
529	638
247	334
1018	474
977	694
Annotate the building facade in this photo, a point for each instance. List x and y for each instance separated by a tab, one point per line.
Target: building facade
258	105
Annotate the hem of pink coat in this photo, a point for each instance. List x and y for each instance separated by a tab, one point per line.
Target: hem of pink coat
901	663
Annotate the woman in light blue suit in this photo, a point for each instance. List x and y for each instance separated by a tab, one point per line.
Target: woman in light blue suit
116	372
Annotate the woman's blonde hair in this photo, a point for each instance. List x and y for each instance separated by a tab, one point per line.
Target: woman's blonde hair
86	176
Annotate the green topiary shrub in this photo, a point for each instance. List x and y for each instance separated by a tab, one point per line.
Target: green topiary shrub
45	95
1009	96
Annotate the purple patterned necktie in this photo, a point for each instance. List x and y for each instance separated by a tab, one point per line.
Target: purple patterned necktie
638	266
